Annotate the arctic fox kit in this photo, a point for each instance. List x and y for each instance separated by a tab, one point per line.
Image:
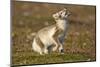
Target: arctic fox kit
52	35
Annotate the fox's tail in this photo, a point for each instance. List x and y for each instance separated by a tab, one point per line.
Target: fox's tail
31	36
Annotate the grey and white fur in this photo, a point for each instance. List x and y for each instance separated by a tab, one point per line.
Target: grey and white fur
53	35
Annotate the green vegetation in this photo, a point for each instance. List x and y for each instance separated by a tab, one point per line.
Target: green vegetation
28	18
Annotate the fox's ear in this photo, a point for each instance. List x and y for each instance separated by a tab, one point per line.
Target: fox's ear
55	16
69	13
65	9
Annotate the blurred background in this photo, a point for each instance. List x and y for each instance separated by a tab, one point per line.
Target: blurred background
29	17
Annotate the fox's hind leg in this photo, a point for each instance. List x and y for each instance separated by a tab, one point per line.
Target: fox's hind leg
36	47
46	51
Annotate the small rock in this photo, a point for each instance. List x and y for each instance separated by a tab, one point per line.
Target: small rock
21	22
88	59
77	33
26	13
84	44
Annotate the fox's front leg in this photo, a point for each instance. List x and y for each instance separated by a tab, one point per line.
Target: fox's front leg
61	41
55	43
61	49
58	45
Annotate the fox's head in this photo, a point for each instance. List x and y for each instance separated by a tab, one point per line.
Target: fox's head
61	15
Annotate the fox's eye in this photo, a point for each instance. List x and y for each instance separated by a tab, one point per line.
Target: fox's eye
61	13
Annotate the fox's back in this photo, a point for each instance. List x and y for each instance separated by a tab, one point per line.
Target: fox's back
47	31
